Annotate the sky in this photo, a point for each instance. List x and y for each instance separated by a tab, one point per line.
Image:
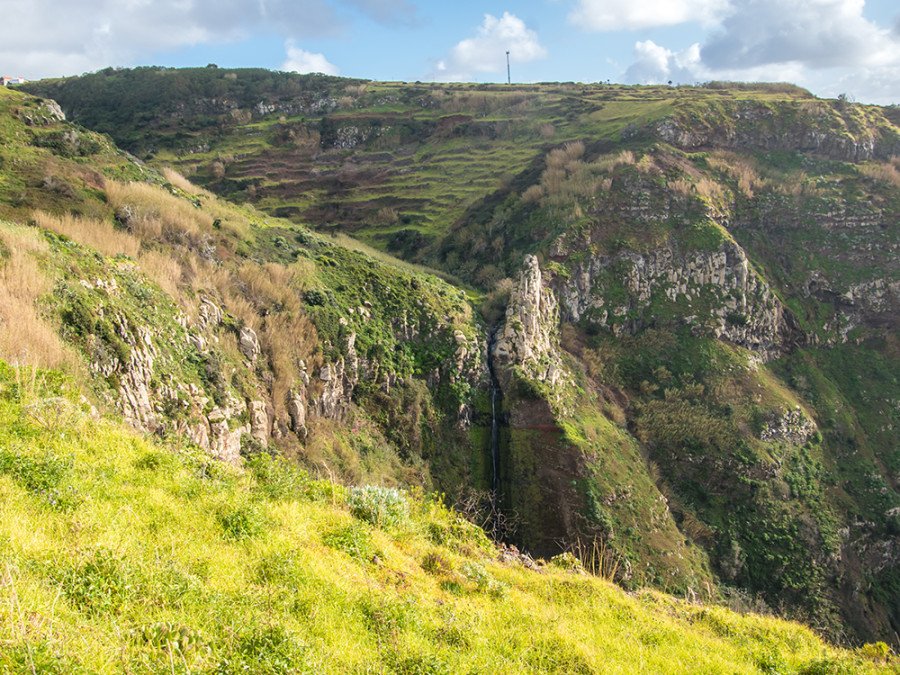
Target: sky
831	47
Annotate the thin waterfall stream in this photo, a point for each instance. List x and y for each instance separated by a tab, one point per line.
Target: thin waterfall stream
496	410
495	440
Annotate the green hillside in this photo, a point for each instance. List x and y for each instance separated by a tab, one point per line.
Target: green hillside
657	328
121	553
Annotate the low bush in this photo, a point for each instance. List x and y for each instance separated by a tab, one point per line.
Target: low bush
240	521
380	506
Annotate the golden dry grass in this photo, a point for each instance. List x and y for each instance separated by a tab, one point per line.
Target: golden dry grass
533	194
96	234
287	339
739	168
183	183
708	188
163	269
680	186
25	336
882	171
151	213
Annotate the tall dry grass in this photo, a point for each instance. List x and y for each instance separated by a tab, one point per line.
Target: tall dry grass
739	168
709	189
183	183
533	194
266	298
680	186
25	335
164	269
606	163
883	172
91	232
562	158
566	177
152	214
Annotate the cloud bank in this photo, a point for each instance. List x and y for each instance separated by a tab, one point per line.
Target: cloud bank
814	43
486	52
44	38
604	15
302	61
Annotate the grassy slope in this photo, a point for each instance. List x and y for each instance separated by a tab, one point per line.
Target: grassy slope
120	553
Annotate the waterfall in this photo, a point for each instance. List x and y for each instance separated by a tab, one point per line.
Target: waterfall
496	411
495	439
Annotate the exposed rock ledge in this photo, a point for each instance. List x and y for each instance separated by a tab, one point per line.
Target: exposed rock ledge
716	291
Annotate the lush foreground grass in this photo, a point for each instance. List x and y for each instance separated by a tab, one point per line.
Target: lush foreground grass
119	554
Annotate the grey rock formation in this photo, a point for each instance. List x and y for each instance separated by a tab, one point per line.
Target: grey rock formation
259	421
529	338
716	290
249	343
754	125
296	409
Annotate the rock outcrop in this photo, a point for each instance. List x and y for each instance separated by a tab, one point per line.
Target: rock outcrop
814	127
529	338
715	291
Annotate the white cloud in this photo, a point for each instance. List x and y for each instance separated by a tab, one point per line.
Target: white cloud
826	46
815	33
486	52
301	61
44	38
870	85
654	64
606	15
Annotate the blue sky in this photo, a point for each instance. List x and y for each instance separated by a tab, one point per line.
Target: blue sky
829	46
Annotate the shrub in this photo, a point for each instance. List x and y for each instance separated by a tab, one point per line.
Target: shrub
279	567
36	474
277	478
315	297
354	540
417	664
267	650
53	413
385	617
240	521
33	658
380	506
476	573
875	651
567	561
170	637
100	583
437	564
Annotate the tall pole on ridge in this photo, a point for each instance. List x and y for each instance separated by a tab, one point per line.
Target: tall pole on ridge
508	78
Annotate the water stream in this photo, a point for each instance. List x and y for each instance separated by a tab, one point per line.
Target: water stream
495	441
496	411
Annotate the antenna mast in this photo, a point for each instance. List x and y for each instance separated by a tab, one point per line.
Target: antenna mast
508	78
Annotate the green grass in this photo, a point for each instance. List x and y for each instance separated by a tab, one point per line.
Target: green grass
171	562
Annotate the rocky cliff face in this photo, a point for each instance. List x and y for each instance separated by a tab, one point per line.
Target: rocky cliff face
716	292
529	338
839	132
209	377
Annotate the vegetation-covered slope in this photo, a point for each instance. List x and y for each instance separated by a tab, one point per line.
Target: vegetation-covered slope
120	553
199	319
690	300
